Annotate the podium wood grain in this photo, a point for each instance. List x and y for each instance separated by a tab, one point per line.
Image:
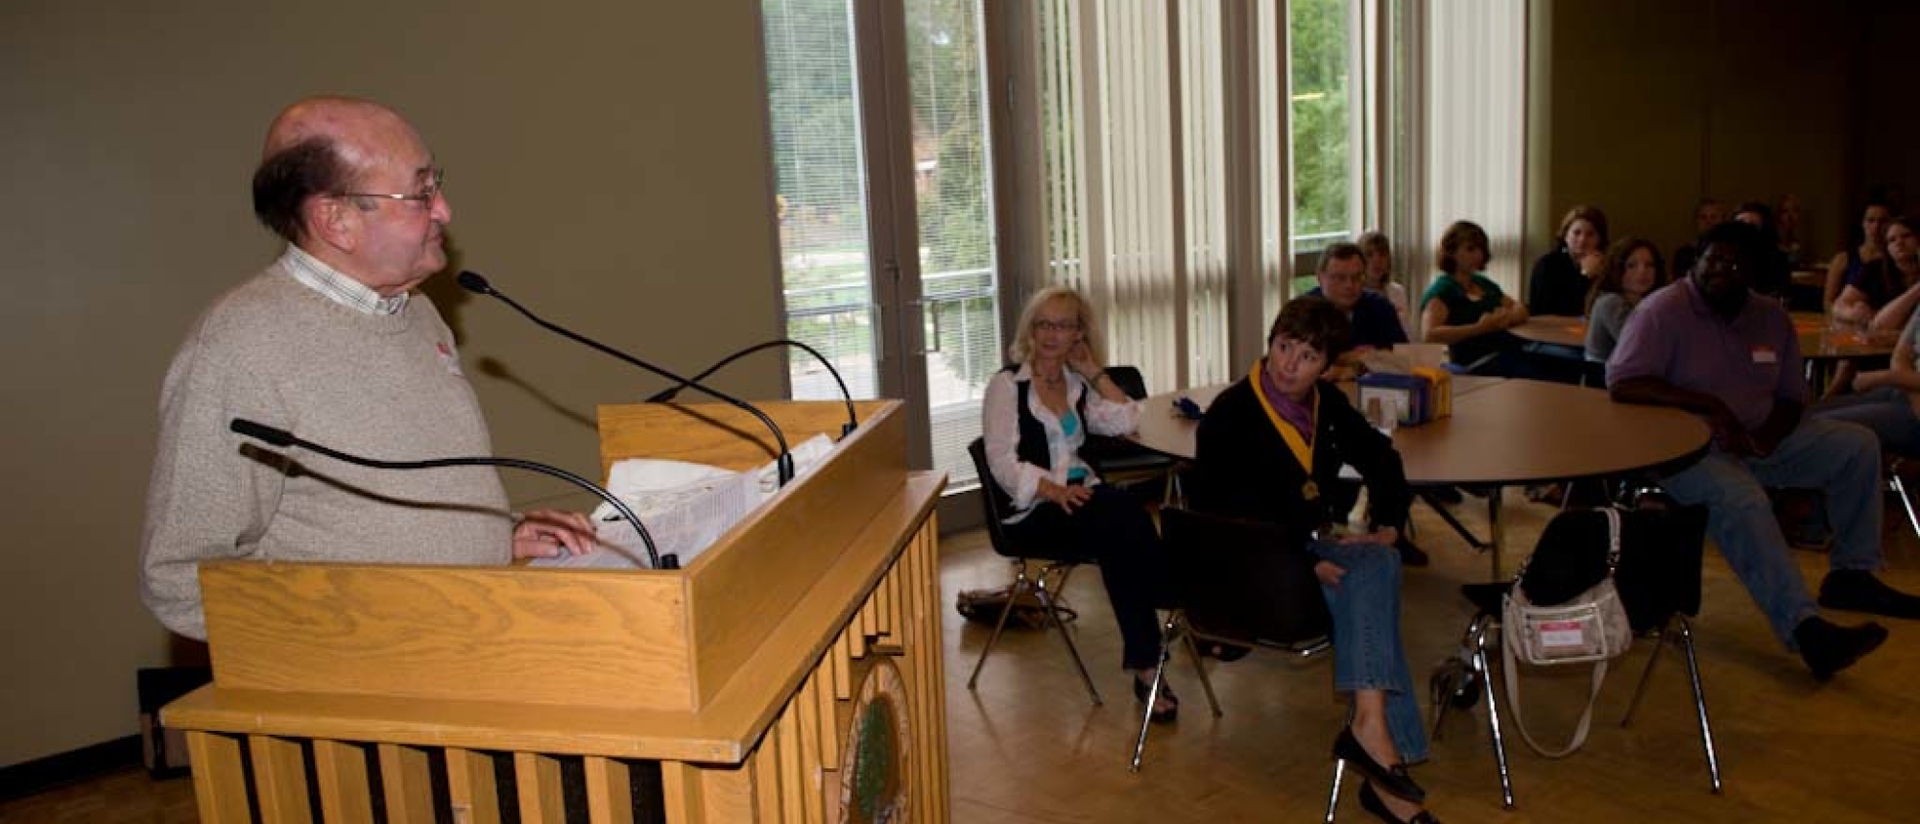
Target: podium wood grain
735	674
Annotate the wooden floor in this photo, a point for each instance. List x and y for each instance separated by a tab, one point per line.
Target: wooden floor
1029	747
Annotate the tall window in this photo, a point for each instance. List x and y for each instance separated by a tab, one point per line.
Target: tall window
839	177
957	283
820	185
1131	107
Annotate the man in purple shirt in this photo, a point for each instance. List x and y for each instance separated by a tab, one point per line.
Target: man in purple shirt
1709	346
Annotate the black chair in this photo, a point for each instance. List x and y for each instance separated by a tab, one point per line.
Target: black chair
1123	463
1059	565
1237	582
1659	584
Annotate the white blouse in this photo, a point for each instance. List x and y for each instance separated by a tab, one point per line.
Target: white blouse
1000	425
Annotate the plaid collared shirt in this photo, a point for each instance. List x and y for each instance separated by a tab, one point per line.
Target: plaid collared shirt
338	287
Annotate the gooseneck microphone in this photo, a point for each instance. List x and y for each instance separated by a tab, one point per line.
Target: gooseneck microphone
282	438
853	421
473	282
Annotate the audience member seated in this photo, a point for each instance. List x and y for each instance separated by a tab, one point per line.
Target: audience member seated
1267	447
1707	346
1034	418
1884	399
1884	292
1776	270
1707	213
1380	275
1562	278
1870	245
1786	224
1466	310
1375	324
1634	270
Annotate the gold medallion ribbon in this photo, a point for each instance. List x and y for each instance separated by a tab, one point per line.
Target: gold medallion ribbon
1296	443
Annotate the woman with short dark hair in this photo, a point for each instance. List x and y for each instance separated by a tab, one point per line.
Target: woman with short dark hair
1268	446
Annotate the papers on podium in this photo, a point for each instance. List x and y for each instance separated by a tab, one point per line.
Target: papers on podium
685	506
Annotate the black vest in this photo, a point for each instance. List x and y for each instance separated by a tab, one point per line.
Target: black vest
1033	436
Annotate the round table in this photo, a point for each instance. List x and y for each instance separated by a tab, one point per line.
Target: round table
1501	433
1821	345
1556	330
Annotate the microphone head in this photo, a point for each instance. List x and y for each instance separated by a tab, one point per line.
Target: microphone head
262	432
473	282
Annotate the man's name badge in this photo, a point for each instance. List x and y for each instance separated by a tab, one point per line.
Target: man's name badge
1765	354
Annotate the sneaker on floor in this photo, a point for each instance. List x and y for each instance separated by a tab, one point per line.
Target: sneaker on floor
1411	555
1829	648
1858	590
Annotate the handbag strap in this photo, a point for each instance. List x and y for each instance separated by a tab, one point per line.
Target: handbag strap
1511	671
1512	674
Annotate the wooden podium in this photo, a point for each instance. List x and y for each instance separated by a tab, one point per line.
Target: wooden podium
790	673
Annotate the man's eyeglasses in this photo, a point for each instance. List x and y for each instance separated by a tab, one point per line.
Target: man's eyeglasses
437	178
1056	326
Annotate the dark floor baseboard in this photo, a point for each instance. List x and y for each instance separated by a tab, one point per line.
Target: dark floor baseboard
40	774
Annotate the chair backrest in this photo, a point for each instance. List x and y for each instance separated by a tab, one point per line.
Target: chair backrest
1243	579
994	501
1129	380
1660	558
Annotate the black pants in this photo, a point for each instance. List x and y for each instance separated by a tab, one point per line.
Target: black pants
1112	529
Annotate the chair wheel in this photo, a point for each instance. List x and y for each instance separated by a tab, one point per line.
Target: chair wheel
1446	679
1468	692
1455	683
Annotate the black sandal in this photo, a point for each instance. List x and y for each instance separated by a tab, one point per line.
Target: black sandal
1370	801
1393	779
1166	716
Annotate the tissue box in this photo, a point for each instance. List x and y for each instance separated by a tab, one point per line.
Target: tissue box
1415	398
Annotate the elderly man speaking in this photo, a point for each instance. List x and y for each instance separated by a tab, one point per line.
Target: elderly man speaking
331	341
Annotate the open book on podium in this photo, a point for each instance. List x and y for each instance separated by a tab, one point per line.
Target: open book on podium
802	648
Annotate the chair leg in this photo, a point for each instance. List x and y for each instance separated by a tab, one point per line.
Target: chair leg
1700	705
1333	793
1493	726
1176	620
1021	583
1906	500
1053	617
1200	669
1646	675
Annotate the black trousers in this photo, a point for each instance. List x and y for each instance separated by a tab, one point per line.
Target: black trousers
1113	530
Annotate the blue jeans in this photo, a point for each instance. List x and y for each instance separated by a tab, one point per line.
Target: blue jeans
1367	653
1886	411
1838	457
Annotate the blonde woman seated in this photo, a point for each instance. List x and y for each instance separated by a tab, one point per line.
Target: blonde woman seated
1266	449
1034	418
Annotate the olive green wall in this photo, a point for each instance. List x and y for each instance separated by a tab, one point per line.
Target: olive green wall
1656	103
608	165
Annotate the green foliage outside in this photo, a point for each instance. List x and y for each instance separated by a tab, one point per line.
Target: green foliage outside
1321	160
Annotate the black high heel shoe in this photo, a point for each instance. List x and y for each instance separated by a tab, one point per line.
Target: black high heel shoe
1370	801
1165	716
1393	779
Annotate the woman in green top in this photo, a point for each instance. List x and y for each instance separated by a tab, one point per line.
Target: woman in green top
1465	310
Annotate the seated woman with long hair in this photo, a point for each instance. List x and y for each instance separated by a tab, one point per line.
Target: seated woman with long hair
1466	310
1562	278
1035	416
1633	271
1267	447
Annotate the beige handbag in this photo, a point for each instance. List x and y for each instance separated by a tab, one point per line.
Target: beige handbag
1591	627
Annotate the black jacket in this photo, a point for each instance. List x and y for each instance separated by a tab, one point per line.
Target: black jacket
1246	470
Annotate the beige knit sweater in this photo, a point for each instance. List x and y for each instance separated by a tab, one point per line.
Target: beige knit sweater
277	352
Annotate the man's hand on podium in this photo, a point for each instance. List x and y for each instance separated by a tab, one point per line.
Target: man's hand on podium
548	533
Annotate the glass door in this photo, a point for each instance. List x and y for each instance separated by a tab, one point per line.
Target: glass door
881	159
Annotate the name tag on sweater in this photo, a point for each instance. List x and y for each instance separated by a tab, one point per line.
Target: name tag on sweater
449	359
